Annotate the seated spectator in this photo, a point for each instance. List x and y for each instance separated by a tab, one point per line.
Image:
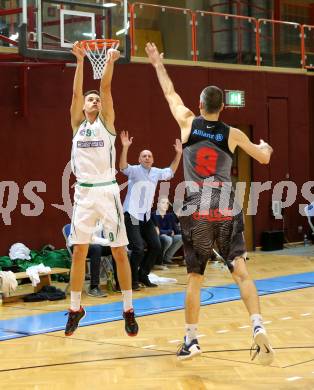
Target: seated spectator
309	212
169	231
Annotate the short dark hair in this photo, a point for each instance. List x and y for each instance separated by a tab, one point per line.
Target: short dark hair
212	98
90	92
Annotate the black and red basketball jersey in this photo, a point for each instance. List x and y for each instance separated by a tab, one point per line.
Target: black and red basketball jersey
206	154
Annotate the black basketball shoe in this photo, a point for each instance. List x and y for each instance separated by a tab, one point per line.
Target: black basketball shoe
73	320
131	326
188	351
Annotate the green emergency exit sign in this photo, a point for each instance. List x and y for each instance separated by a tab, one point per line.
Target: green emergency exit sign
234	98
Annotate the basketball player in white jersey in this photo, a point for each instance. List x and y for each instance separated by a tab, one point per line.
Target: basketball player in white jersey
97	195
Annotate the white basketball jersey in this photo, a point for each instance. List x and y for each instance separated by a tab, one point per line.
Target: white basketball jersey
93	153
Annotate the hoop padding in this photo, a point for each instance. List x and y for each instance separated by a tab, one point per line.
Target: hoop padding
96	51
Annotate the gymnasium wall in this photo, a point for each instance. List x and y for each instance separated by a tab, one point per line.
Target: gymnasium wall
36	145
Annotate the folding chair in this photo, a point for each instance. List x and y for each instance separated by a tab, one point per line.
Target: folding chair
66	232
106	263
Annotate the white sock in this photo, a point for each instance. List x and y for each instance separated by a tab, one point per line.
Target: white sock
127	300
190	332
75	300
256	320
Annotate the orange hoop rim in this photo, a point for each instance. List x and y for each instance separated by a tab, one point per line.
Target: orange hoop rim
92	44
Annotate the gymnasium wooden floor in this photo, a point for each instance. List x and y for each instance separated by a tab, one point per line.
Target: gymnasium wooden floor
103	357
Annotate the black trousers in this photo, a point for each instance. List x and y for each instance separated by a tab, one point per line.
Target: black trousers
95	252
140	234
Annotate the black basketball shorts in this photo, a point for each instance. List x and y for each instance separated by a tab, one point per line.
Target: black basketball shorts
204	229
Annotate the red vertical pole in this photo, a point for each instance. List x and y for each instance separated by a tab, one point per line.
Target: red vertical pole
212	34
258	47
11	29
194	41
311	14
239	35
238	6
303	46
98	27
31	22
277	10
132	27
273	44
23	87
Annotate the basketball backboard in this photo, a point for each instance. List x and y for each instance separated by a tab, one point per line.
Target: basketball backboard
50	27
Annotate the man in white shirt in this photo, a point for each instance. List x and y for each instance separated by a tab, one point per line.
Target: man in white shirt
143	180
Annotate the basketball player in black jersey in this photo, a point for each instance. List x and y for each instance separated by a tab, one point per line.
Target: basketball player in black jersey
210	214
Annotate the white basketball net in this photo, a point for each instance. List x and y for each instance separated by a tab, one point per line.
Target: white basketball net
97	57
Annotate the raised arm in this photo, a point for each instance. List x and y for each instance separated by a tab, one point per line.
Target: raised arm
77	104
175	163
107	110
182	114
261	152
126	143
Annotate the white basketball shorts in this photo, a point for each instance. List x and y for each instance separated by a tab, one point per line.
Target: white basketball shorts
98	203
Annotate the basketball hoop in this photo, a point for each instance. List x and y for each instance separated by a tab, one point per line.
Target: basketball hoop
96	51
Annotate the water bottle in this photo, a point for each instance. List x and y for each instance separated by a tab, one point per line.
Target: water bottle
110	282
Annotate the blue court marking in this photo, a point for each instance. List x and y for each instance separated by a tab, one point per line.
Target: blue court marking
54	321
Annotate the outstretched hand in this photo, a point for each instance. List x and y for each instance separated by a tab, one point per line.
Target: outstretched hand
125	140
178	146
153	54
112	55
78	51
